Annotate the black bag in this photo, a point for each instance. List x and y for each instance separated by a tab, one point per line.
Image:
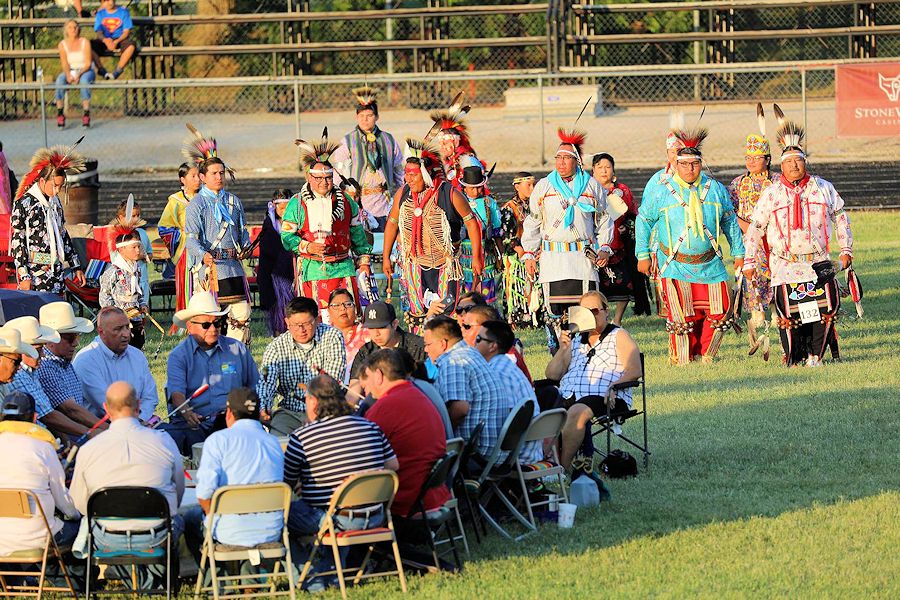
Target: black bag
618	464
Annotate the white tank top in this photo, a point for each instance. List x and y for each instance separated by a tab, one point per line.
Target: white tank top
76	58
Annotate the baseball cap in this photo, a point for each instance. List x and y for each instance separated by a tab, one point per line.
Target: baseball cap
17	404
379	315
244	403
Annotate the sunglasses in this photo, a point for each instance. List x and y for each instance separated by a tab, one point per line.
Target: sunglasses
479	339
15	361
461	310
597	311
218	323
467	326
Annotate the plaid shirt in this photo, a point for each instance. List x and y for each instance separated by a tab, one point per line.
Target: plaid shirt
26	381
285	366
463	374
59	380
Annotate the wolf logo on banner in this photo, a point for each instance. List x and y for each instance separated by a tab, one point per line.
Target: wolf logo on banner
890	86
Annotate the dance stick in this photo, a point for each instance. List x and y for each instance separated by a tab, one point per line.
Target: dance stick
181	406
84	436
158	326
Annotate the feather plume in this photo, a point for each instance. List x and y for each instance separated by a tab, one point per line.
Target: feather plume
365	95
676	120
692	138
790	135
583	108
491	172
575	137
316	152
761	118
129	208
779	115
451	118
57	157
427	156
197	147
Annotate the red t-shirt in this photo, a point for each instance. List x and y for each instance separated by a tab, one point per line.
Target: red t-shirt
520	362
414	428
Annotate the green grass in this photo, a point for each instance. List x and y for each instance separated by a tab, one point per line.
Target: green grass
764	481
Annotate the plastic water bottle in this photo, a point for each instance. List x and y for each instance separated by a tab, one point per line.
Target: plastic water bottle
584	492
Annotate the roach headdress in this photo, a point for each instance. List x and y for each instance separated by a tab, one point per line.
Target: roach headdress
48	160
790	136
312	153
574	138
691	141
450	120
198	148
426	156
366	98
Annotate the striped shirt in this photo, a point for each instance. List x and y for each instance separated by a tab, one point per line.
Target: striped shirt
321	454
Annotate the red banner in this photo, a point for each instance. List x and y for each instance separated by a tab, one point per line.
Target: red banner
868	100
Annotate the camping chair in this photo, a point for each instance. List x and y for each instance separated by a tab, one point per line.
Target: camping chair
468	488
495	470
242	500
21	504
130	502
615	417
547	424
87	297
438	519
456	445
357	491
8	278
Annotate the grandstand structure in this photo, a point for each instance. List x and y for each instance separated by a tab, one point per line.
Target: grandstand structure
421	40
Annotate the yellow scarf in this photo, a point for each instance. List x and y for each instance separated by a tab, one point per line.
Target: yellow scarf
30	429
693	211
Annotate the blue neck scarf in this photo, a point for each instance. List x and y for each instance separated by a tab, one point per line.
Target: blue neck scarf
571	196
220	209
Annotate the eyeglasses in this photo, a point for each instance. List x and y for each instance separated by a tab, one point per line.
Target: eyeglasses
694	164
597	311
307	325
319	177
338	305
479	339
218	323
15	361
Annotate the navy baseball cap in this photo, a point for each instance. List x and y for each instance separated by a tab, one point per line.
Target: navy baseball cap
379	315
17	404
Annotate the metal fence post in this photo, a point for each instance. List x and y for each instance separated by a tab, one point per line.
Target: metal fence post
540	79
803	102
40	75
297	110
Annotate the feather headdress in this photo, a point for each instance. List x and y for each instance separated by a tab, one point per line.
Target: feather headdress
124	225
366	97
574	138
46	160
691	140
427	157
757	143
789	134
319	151
451	119
198	148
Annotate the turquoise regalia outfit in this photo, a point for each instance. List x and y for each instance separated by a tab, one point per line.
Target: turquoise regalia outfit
686	222
485	208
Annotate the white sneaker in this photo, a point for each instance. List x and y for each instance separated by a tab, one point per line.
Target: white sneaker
813	361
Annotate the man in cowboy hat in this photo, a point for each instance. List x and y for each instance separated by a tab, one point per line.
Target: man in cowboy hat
204	357
26	379
11	351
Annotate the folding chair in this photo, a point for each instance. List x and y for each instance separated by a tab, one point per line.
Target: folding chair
242	500
616	416
456	445
495	470
547	424
467	488
24	504
129	502
436	520
360	490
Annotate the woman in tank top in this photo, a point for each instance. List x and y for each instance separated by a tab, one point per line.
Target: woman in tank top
75	58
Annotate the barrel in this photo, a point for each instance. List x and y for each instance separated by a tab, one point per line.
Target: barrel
81	197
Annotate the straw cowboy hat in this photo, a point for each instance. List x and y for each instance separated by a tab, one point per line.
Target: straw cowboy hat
33	332
11	343
201	303
61	317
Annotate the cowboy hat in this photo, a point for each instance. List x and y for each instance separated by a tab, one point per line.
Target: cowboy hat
201	303
61	317
33	332
11	343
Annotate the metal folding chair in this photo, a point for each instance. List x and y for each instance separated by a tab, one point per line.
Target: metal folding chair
547	424
24	504
615	416
360	490
457	446
438	520
129	502
242	500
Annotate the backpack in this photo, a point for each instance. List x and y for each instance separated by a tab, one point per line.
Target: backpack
618	464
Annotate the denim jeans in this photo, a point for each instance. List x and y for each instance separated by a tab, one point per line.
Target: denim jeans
86	79
304	519
149	576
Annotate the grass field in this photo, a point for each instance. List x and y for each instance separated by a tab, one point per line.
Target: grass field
764	481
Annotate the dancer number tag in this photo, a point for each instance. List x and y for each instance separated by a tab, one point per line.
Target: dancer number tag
809	312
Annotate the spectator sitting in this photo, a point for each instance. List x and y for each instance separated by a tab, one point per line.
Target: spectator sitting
588	367
77	68
466	382
411	425
129	454
204	357
292	359
111	358
242	454
35	467
113	26
56	374
474	317
26	380
381	321
342	314
493	341
318	458
11	352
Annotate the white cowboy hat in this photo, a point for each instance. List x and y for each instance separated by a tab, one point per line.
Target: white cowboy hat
11	343
201	303
61	317
33	332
